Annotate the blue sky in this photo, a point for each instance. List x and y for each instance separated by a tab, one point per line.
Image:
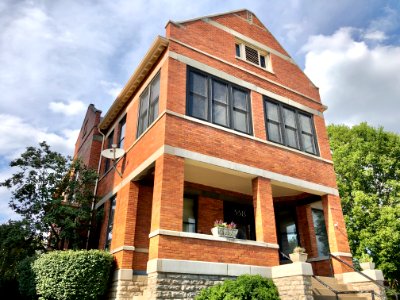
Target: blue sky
57	57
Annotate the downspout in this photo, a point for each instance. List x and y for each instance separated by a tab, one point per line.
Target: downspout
95	187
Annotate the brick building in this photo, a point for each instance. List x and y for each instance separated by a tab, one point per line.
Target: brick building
217	123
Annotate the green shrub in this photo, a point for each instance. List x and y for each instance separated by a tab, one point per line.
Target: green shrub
67	275
26	278
245	287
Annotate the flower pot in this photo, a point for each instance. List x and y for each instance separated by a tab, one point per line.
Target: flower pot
224	232
298	257
367	265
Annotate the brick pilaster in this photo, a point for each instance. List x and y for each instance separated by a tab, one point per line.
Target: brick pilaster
125	223
264	211
336	229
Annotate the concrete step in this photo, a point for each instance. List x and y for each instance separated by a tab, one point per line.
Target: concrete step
320	292
341	297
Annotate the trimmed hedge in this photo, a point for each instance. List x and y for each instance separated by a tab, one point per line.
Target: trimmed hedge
67	275
26	278
245	287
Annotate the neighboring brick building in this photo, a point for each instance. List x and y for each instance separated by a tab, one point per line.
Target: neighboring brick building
217	122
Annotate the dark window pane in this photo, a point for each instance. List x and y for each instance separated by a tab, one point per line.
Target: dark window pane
220	114
290	117
220	92
251	55
153	111
122	126
240	121
189	215
198	84
291	138
144	103
155	88
320	232
272	112
262	61
110	222
199	107
237	46
305	122
308	143
274	132
239	99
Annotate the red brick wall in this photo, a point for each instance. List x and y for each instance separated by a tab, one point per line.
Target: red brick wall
168	193
209	210
214	142
204	250
88	143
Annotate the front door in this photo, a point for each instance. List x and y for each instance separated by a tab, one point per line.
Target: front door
286	228
243	216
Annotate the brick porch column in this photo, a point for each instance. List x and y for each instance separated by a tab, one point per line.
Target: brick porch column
337	234
264	211
167	208
124	225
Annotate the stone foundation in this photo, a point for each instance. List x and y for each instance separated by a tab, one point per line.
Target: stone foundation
179	286
182	279
125	287
294	288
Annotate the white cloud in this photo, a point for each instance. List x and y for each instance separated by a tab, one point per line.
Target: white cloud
16	134
74	107
357	81
376	35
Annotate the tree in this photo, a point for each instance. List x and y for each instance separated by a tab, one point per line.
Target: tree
17	242
53	194
367	164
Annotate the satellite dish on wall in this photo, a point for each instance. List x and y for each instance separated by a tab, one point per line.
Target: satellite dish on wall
113	153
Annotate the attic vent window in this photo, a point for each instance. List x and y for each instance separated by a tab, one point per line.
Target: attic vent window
252	55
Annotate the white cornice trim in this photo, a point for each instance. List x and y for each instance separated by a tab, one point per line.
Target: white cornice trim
201	236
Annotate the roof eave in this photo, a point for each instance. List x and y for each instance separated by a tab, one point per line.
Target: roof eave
148	61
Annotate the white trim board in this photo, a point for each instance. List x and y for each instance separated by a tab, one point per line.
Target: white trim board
205	268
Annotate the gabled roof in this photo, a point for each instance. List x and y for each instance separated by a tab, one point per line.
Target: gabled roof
214	15
148	61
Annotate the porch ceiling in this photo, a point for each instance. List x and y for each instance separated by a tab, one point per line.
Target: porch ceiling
227	179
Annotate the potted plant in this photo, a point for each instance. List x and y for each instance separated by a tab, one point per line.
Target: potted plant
299	255
366	262
224	229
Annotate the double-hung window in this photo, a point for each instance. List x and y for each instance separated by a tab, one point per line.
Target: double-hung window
290	126
148	110
121	135
219	102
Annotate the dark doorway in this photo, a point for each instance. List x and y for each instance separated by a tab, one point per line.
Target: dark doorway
243	216
286	227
